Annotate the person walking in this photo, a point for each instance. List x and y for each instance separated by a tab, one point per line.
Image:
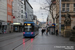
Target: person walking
47	31
56	32
43	30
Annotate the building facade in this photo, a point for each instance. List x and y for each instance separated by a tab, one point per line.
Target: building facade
19	14
19	11
28	11
23	16
3	13
35	19
6	17
3	10
9	11
66	6
15	10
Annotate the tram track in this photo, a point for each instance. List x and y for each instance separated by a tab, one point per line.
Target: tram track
9	38
20	45
14	42
10	43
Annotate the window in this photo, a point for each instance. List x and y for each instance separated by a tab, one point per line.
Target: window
67	7
63	7
29	28
74	0
21	11
21	6
74	7
65	0
21	16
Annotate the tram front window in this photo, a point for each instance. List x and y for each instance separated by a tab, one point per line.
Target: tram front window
28	28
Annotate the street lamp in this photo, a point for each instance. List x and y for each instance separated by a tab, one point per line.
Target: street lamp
59	17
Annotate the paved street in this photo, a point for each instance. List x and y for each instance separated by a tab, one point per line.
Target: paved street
16	41
20	18
11	40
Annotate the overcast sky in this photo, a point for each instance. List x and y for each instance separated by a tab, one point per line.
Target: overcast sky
41	14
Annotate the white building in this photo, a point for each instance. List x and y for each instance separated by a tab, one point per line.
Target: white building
15	10
18	11
3	10
35	19
19	14
3	15
22	12
6	16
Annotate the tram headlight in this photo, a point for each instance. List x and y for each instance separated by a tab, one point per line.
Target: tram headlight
31	32
23	32
25	24
28	24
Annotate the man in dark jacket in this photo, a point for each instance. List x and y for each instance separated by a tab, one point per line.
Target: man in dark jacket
56	32
47	30
43	30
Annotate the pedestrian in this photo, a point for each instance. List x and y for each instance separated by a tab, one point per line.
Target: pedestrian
47	31
56	32
43	30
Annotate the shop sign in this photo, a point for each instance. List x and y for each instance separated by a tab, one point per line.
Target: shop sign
16	23
4	23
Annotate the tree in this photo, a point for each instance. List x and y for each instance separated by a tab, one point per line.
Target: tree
52	8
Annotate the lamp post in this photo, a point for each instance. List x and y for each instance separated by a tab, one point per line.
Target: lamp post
59	17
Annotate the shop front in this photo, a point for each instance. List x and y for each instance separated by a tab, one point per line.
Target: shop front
3	27
0	27
17	27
